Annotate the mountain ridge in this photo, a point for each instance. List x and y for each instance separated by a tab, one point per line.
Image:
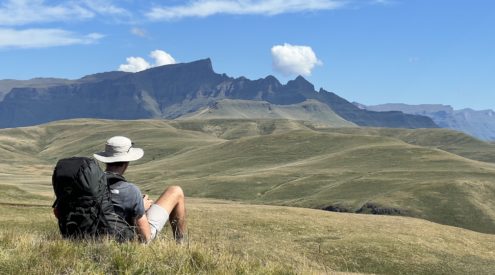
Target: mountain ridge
477	123
171	91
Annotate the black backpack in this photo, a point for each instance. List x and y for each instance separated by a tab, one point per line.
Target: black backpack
83	202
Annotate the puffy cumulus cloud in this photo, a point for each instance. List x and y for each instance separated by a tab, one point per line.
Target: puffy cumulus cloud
137	64
162	58
134	64
294	60
204	8
40	38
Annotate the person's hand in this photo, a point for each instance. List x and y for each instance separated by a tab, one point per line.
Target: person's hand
147	202
56	212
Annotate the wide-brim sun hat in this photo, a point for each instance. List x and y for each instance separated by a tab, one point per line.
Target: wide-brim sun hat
119	149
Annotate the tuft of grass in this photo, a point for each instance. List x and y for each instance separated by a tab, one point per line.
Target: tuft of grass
227	238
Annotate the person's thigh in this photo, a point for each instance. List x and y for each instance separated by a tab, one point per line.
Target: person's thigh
157	218
169	199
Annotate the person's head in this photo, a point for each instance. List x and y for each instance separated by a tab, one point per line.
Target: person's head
119	151
117	167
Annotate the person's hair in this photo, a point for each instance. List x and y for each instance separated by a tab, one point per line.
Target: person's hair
116	164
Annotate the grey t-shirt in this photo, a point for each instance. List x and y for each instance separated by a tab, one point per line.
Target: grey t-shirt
127	201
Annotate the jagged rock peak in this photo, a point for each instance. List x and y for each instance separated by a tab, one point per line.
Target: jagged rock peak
301	83
272	80
202	63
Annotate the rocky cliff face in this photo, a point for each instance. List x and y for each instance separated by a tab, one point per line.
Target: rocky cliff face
172	91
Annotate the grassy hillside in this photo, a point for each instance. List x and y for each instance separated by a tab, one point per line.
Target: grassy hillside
227	237
444	139
400	172
309	110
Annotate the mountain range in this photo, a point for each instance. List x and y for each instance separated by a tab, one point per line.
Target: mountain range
480	124
185	89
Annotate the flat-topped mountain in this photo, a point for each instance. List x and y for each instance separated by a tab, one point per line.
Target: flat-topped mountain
172	91
7	85
480	124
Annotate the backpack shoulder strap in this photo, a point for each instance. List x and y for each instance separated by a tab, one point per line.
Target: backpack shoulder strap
113	178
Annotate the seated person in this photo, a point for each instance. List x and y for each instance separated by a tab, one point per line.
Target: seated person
148	216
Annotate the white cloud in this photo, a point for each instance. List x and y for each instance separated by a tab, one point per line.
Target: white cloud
204	8
137	64
138	31
40	38
162	58
105	7
382	2
134	64
294	60
14	13
22	12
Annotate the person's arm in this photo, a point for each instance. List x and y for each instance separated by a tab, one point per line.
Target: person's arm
143	228
147	202
56	213
142	223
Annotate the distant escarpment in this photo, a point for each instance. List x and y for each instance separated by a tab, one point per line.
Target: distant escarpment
173	91
480	124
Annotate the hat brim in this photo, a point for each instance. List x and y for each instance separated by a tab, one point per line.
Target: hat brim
132	155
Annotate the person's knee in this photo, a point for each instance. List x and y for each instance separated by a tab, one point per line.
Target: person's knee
176	191
171	198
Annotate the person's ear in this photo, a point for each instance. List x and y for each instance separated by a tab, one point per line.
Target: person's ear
125	167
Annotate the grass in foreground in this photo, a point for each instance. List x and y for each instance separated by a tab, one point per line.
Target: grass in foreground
226	238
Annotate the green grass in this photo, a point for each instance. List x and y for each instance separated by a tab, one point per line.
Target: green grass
11	195
444	139
227	237
314	112
279	162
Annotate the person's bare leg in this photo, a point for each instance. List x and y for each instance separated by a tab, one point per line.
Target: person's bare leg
173	201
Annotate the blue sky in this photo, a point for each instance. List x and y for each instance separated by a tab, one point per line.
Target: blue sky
370	51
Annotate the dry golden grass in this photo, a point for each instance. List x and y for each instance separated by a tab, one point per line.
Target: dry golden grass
279	162
227	237
262	162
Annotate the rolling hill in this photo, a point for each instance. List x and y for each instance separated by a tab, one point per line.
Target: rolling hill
283	162
309	110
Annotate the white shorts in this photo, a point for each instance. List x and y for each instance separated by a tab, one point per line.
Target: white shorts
157	218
